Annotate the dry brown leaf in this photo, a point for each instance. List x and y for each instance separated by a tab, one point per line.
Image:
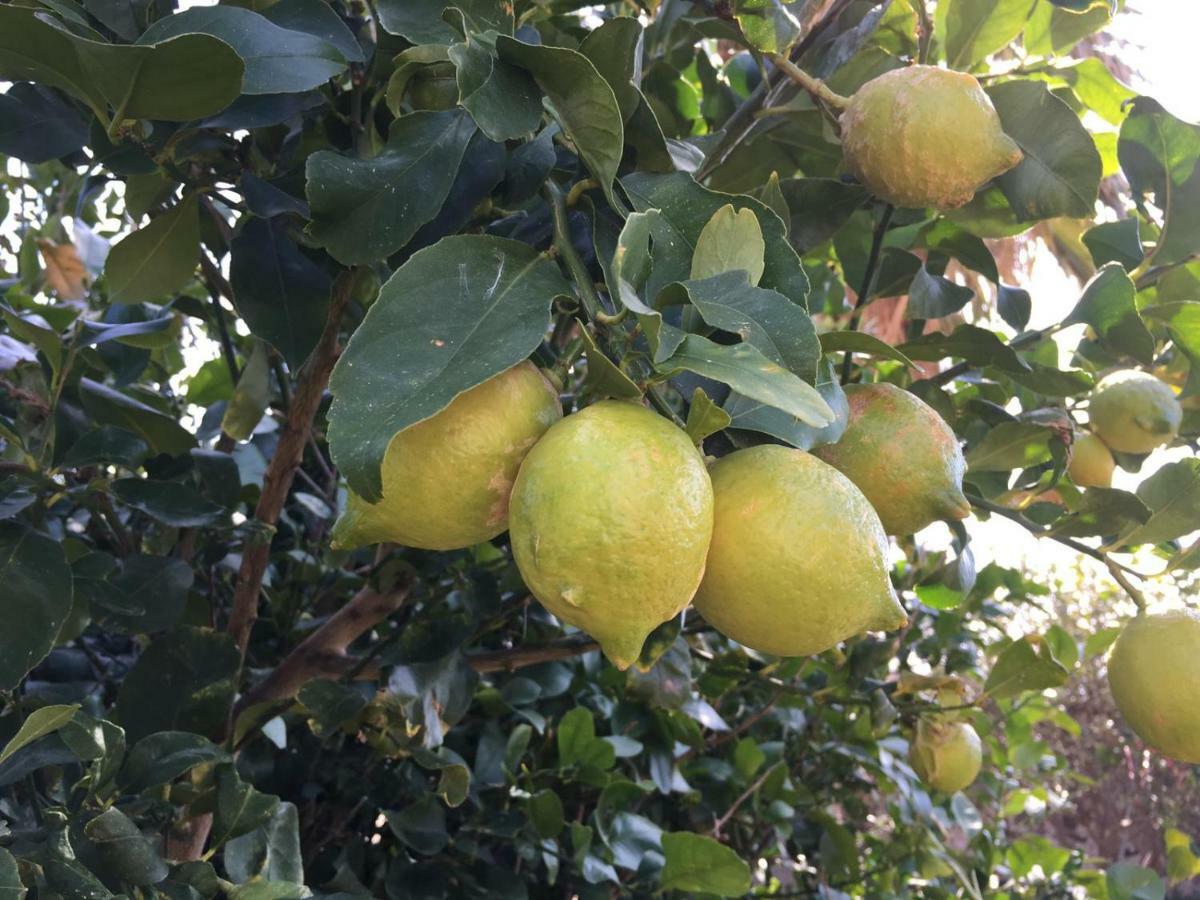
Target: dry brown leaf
65	272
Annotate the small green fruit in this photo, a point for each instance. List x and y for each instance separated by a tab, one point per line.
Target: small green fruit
947	755
1134	412
1091	463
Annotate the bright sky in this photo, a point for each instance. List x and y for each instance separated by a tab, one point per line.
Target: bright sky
1163	38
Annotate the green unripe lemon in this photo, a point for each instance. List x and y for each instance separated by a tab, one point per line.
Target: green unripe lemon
799	560
946	755
902	455
447	479
1134	412
923	136
610	522
1091	463
1154	675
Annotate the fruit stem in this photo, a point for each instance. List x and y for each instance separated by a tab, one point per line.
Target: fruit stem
566	250
815	86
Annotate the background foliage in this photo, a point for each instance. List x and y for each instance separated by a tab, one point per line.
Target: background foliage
201	698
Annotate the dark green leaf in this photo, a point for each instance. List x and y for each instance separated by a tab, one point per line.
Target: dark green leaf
1103	512
169	502
37	125
731	241
977	28
751	415
503	100
184	681
818	207
1010	445
932	296
122	850
545	811
37	599
861	342
421	20
1127	881
333	704
1060	174
583	103
615	49
157	259
421	825
11	887
1024	665
973	344
270	852
110	407
698	864
38	724
241	808
277	61
453	316
704	418
160	758
366	209
1173	496
604	378
148	595
1014	305
1053	382
282	294
1117	242
1109	305
317	18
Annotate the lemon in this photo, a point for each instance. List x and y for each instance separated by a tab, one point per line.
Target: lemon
1134	412
447	479
1091	463
1154	675
611	517
798	560
923	136
946	755
902	455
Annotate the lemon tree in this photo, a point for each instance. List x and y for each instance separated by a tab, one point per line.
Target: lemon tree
456	448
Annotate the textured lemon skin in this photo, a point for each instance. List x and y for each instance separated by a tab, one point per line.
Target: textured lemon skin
1092	464
798	560
1154	676
947	756
447	479
610	522
923	136
902	455
1134	412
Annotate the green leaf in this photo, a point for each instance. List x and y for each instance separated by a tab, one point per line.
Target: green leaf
751	415
1011	445
277	61
545	811
932	296
604	378
1053	31
818	207
583	103
731	241
939	596
11	887
1060	174
421	825
178	80
46	340
159	759
1183	326
240	806
332	704
503	100
366	209
184	681
576	733
699	864
1109	305
632	266
451	317
1095	86
1102	512
149	594
157	259
1024	665
169	502
38	125
1160	155
770	26
1182	863
615	49
1173	496
1014	305
704	417
1126	881
750	373
38	724
977	28
765	319
37	599
421	20
122	851
861	342
1117	242
317	18
281	294
685	207
971	343
270	852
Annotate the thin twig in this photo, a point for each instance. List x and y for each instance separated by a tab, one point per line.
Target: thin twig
520	657
868	282
742	798
815	86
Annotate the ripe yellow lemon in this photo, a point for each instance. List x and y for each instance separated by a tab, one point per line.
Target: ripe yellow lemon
798	560
1154	675
447	479
902	455
1134	412
923	136
946	755
1091	463
610	521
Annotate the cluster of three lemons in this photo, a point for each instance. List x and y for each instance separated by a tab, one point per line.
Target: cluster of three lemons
617	523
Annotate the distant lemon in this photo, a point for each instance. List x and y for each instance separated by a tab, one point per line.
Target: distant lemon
611	518
1154	675
946	755
1134	412
447	479
798	560
902	455
922	136
1091	463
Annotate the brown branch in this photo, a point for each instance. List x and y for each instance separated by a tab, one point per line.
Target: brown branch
323	653
742	798
519	658
310	387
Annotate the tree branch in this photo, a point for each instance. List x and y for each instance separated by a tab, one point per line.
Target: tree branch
520	657
868	282
310	387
